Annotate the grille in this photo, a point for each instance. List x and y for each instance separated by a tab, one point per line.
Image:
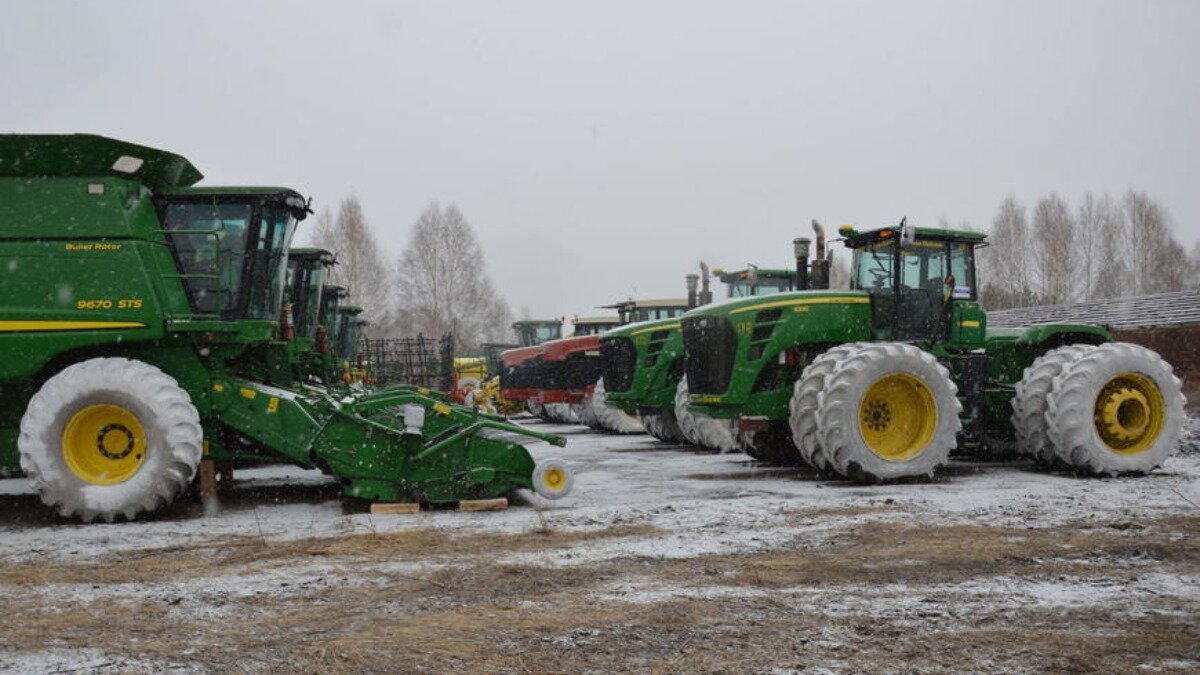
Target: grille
619	361
711	346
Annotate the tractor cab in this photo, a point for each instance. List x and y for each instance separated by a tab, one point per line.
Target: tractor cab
306	271
536	331
921	282
756	281
636	311
593	325
231	246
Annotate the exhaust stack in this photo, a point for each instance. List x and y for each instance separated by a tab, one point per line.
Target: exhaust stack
705	293
800	247
692	281
821	261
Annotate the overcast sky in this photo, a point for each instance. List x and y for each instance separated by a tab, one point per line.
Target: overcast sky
602	149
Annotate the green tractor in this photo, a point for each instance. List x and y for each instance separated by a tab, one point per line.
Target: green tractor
141	314
643	363
307	270
884	380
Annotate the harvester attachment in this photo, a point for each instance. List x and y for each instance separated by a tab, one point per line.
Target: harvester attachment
398	446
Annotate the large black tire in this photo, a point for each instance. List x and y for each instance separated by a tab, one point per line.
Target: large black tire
662	425
702	430
1029	402
110	437
612	419
1118	409
889	410
803	406
562	413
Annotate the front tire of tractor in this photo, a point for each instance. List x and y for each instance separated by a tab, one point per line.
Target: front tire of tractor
803	406
1118	409
701	430
662	425
110	437
1029	401
613	419
889	410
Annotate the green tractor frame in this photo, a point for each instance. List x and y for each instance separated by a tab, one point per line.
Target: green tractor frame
884	380
643	363
142	335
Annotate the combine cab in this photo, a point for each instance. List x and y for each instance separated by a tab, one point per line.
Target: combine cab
141	318
884	380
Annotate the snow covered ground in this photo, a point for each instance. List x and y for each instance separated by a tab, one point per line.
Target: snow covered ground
658	543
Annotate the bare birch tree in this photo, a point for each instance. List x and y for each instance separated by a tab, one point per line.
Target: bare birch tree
1050	243
1004	264
1112	272
443	286
360	266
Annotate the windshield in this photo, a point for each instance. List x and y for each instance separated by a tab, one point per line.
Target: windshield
765	286
306	277
231	254
656	313
592	328
267	262
531	334
210	245
347	338
873	266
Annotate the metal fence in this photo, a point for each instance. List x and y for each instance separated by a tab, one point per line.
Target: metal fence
421	361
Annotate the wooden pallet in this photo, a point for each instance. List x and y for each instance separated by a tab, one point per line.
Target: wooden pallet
381	508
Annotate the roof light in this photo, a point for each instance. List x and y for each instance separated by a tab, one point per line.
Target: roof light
886	234
127	164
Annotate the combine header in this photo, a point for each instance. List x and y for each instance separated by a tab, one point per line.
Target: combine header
142	333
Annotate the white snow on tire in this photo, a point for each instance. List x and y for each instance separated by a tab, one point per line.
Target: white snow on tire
562	413
1071	410
803	405
612	419
839	427
662	426
1029	401
173	438
702	430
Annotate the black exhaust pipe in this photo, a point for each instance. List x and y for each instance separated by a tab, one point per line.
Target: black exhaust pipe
800	247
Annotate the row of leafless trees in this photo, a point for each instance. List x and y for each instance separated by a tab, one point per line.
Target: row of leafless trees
1101	248
439	284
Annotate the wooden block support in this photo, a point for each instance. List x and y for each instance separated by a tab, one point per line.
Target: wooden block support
225	473
208	479
383	508
484	505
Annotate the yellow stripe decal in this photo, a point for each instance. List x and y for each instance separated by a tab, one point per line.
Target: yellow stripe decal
851	300
670	326
19	326
969	324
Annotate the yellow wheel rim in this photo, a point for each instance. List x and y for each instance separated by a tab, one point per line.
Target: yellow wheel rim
1129	413
554	479
897	417
104	444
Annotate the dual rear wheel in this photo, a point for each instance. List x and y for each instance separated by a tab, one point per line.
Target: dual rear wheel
1111	409
874	411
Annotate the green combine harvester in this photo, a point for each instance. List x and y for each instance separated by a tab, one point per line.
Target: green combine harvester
141	334
643	363
884	380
